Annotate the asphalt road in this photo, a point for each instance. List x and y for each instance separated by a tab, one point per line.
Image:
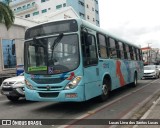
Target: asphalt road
121	104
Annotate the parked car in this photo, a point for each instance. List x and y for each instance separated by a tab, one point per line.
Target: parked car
13	87
151	71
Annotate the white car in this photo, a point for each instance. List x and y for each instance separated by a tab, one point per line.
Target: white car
13	87
158	66
151	71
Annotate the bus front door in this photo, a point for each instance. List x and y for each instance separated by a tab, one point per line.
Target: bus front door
90	63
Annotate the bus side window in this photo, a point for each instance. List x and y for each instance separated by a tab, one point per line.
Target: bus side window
112	49
140	54
128	52
102	46
131	52
89	49
121	50
118	50
135	53
125	52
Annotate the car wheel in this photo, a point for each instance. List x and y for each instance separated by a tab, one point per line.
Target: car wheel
13	98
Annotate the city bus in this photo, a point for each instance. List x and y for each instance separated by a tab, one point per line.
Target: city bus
73	60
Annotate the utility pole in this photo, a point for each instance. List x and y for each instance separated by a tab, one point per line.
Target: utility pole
148	54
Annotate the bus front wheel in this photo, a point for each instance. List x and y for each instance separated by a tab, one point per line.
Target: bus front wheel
105	90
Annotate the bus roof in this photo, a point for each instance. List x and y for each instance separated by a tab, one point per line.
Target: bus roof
100	30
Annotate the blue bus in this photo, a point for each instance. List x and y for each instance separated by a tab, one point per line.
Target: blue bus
73	60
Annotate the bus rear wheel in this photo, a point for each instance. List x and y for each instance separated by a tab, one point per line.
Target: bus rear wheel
134	84
105	90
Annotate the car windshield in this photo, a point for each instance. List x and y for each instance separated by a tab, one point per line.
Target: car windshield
149	68
52	55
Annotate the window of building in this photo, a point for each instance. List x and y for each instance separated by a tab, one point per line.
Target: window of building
28	15
19	8
92	9
59	6
36	13
97	21
64	5
28	5
87	17
81	14
102	46
96	1
24	6
43	1
96	11
49	8
33	3
44	10
81	3
87	6
93	19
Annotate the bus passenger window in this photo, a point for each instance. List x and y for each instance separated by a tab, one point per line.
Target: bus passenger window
125	52
102	46
135	53
131	52
112	49
121	50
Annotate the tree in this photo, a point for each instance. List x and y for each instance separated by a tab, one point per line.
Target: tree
6	14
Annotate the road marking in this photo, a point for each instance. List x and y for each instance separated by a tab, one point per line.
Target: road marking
106	105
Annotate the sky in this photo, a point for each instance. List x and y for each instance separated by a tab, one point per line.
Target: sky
137	21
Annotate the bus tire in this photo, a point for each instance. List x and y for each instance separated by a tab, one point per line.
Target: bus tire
105	89
134	84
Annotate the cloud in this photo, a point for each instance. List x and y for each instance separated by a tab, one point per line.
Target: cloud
136	21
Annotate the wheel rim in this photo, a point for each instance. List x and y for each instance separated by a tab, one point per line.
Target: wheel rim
105	89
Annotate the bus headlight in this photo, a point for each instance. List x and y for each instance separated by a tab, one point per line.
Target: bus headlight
28	85
73	83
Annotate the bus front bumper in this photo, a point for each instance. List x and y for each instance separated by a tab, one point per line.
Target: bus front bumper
72	95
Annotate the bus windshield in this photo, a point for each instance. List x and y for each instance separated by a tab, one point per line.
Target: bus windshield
49	56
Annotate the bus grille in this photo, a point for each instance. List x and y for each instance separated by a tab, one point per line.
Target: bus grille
44	88
52	94
48	80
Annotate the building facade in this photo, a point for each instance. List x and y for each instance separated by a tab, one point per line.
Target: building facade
31	9
151	55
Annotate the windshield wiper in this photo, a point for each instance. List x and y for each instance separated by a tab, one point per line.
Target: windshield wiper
55	43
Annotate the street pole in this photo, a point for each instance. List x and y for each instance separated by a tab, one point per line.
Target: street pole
148	54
